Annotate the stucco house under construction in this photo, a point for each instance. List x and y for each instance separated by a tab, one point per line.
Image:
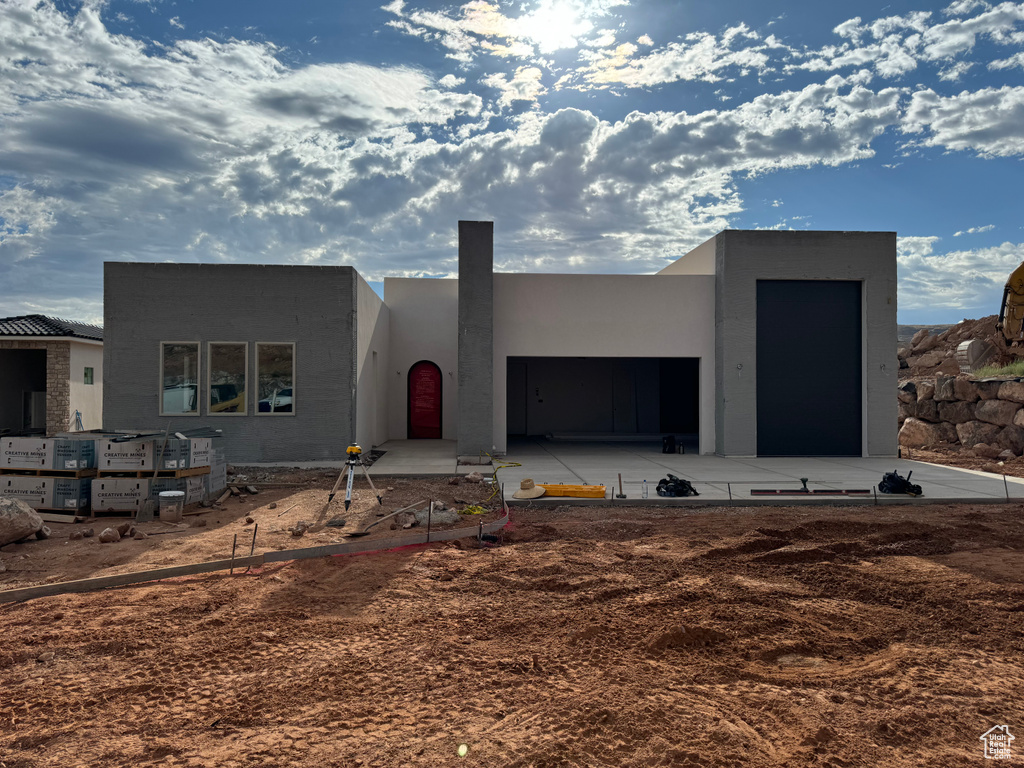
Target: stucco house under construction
51	375
748	342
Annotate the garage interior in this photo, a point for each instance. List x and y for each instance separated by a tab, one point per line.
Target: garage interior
22	391
602	398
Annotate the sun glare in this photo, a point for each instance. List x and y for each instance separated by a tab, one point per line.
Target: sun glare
554	25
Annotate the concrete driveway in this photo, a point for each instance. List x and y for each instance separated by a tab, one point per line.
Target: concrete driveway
716	478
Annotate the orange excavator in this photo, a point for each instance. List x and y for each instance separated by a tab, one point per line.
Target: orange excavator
1011	311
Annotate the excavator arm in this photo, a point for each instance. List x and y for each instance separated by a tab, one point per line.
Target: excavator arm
1011	311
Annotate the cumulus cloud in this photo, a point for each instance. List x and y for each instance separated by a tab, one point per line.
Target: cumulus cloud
701	56
524	85
967	280
113	147
975	230
480	26
896	45
989	121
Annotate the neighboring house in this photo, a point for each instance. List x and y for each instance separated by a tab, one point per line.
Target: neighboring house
731	344
49	370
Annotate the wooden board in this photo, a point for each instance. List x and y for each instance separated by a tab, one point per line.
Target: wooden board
74	474
146	474
575	491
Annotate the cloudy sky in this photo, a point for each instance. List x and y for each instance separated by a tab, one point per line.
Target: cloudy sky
599	135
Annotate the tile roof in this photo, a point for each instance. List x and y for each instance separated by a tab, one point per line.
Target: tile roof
41	325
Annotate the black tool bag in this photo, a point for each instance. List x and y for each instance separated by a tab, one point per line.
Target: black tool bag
893	483
675	486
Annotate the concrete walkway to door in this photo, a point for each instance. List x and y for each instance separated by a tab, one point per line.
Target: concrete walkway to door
716	478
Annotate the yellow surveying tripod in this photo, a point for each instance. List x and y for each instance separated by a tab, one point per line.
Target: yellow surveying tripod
355	459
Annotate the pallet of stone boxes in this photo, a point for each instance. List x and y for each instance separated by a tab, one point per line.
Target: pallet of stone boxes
51	475
191	466
144	456
56	476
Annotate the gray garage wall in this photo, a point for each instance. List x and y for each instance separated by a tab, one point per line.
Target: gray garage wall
476	338
312	307
744	257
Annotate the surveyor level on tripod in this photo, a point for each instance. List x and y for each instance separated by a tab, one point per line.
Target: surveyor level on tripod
355	459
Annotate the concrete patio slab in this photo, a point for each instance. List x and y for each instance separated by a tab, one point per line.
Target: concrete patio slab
718	479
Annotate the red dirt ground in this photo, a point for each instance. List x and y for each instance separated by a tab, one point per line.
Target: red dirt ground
827	636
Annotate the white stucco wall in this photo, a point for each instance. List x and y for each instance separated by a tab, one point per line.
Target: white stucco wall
86	398
605	316
699	261
424	325
372	341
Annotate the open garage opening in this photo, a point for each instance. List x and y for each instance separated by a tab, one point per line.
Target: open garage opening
604	398
22	391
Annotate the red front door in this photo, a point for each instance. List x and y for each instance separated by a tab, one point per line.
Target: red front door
425	401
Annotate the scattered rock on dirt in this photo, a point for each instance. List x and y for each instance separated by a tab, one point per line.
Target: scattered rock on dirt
17	521
109	535
439	517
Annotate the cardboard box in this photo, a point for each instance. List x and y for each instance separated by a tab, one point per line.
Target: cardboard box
70	493
127	456
118	494
34	491
217	480
47	453
176	455
201	448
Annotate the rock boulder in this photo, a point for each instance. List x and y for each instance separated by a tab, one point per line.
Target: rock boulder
945	388
966	390
973	432
907	392
957	412
999	412
1012	390
916	433
17	521
988	390
1012	439
985	451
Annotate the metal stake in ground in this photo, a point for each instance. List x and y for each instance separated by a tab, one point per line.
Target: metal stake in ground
355	459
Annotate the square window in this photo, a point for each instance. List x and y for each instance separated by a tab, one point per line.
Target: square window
275	378
88	375
179	378
228	375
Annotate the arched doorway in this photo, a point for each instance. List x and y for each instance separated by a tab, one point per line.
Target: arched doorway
425	401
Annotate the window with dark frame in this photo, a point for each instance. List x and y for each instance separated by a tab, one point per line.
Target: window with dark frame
275	378
228	368
179	378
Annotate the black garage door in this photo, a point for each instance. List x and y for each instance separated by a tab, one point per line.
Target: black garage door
808	368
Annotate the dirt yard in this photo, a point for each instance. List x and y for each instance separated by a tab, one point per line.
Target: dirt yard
827	636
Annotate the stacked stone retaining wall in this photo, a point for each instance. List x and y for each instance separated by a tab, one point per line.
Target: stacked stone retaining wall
985	417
